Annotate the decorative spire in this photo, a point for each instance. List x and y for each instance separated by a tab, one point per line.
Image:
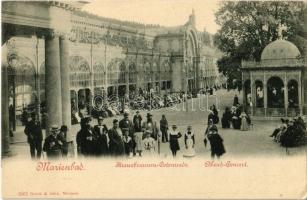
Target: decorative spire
192	17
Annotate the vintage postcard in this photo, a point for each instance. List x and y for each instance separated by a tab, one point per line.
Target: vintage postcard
153	99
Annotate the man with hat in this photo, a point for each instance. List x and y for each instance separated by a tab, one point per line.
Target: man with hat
137	121
126	124
150	126
53	144
164	128
138	134
90	139
116	145
34	133
83	136
101	133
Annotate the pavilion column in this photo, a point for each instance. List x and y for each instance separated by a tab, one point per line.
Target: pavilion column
265	95
90	101
81	97
300	97
244	96
286	99
76	100
65	82
53	82
252	96
5	113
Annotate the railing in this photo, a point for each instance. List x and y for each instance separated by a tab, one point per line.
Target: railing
276	112
289	62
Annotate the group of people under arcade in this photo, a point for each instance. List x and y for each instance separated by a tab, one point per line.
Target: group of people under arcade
291	132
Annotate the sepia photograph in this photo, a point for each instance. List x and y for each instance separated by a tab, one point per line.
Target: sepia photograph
155	99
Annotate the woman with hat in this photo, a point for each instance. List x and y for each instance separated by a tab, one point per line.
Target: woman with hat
216	142
174	134
53	144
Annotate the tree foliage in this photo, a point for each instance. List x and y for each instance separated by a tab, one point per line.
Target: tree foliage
247	27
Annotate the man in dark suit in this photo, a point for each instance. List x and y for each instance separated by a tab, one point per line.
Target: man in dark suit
85	138
137	121
116	144
34	133
53	143
101	133
125	124
150	126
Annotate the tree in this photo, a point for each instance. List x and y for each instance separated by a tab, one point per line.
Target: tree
248	26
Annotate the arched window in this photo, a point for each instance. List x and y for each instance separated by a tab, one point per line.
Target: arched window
147	71
275	92
116	71
122	73
155	71
247	90
132	73
259	94
99	74
79	72
166	70
21	77
293	94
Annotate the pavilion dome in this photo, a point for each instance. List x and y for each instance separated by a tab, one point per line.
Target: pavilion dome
280	49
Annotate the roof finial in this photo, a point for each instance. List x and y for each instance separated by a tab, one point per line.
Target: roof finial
281	28
192	17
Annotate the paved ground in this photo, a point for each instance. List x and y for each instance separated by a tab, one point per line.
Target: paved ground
252	143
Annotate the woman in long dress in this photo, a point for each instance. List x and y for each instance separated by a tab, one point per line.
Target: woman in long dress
173	140
244	124
189	140
216	143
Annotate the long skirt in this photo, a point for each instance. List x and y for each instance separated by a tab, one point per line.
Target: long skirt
174	144
190	151
138	136
244	125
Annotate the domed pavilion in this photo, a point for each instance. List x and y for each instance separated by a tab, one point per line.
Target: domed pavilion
274	87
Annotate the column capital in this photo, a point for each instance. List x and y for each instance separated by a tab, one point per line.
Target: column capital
57	34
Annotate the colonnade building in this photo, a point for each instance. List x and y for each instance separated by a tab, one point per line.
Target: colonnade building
57	54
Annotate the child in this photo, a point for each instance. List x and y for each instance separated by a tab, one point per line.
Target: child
127	143
149	144
189	141
173	140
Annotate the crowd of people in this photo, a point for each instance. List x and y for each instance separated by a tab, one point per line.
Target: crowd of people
291	132
126	138
236	117
58	143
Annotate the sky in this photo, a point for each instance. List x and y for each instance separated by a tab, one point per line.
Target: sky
162	12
